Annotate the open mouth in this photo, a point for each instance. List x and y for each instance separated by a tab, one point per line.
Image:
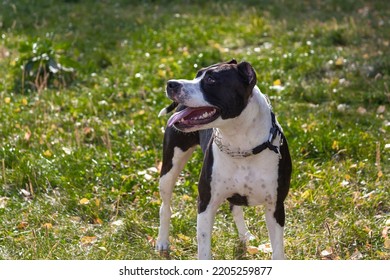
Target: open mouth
190	117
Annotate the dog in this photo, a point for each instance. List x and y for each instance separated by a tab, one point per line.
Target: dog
246	156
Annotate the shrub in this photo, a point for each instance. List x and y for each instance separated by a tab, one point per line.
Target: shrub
42	64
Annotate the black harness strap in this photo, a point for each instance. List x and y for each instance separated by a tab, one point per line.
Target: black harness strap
274	131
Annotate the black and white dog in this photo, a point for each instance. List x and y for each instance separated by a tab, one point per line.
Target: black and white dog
246	162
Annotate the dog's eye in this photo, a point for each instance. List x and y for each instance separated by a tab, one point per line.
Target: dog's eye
210	80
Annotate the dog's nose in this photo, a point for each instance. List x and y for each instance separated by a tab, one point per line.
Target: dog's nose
173	85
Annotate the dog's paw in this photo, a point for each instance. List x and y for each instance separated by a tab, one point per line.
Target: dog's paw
162	246
163	249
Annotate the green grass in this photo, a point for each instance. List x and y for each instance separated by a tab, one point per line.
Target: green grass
75	159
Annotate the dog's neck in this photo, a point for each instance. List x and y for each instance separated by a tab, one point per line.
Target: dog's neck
250	128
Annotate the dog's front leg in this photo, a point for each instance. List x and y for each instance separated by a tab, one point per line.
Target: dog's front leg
275	231
205	222
166	185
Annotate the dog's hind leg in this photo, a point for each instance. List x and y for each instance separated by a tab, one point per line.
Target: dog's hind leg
177	150
238	217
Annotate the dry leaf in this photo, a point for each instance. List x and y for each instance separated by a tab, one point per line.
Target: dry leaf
151	240
25	193
27	135
85	240
306	194
265	248
84	201
387	244
183	237
277	82
75	219
335	145
47	226
361	110
381	109
97	221
252	250
103	249
339	61
22	225
327	253
3	202
66	150
47	153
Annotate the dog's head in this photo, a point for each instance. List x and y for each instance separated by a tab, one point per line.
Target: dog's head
218	92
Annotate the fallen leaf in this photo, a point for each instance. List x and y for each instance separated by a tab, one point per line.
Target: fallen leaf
381	109
75	219
118	223
22	225
387	244
361	110
339	61
88	130
335	145
277	82
3	202
66	150
186	197
27	135
47	153
306	194
327	253
265	248
47	226
151	240
25	193
84	201
342	107
103	249
97	221
183	237
252	250
86	240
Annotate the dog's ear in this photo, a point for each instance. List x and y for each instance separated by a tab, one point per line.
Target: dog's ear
233	61
247	73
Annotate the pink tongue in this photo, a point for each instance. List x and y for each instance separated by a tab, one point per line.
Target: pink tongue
179	115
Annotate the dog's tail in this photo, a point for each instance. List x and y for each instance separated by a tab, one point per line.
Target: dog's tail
168	109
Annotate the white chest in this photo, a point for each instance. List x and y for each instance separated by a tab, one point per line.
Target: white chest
254	177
